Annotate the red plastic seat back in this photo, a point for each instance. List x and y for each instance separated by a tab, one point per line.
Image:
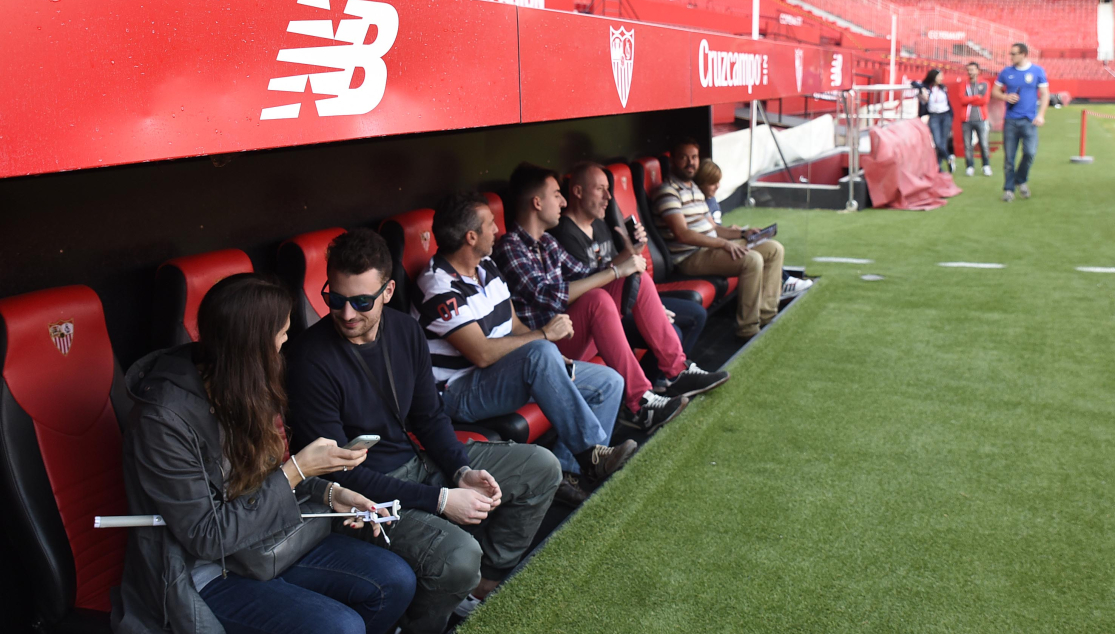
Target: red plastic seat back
652	171
623	191
412	234
60	443
495	203
180	285
302	266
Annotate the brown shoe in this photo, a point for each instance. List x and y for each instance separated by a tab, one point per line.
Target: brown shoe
600	461
569	492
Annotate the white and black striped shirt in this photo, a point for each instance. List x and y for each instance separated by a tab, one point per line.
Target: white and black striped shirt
451	301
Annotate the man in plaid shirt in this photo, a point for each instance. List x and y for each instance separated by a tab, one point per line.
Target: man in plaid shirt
546	280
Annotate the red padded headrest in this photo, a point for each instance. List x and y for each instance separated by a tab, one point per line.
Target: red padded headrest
202	271
623	190
652	173
418	239
59	368
314	245
495	203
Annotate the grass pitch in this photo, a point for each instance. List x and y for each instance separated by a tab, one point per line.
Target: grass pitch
927	453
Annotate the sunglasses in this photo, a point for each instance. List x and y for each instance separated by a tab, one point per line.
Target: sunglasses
359	303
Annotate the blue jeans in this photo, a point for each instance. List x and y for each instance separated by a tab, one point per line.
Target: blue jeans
940	125
344	585
582	411
1015	130
689	321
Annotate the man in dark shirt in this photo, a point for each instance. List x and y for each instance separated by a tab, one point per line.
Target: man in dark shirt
447	489
598	242
546	280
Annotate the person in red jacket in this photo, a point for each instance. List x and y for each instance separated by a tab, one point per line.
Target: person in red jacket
974	99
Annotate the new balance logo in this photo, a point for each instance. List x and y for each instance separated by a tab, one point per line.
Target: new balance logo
346	100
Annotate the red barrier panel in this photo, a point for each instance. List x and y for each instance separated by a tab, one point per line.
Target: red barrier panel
901	171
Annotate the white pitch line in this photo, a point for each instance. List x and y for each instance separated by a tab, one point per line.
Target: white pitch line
972	265
1095	269
844	260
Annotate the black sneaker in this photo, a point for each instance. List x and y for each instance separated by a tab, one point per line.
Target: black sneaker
569	492
655	411
600	461
691	382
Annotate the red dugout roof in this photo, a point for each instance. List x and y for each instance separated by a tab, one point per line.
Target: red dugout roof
87	84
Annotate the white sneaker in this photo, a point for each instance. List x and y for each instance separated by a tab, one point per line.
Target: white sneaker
794	286
466	606
971	171
987	170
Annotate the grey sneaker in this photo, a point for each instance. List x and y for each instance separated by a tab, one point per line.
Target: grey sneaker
1008	197
971	171
987	170
1024	191
600	461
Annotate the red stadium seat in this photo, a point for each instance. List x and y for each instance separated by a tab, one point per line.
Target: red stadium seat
302	266
411	240
181	283
495	203
62	407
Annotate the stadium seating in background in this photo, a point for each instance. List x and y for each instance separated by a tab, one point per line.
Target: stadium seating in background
411	240
301	265
62	407
1049	23
180	285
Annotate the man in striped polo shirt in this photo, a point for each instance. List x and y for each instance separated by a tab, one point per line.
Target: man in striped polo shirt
699	246
488	363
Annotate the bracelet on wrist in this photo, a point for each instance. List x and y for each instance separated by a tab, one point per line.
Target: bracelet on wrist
442	500
329	497
295	463
615	271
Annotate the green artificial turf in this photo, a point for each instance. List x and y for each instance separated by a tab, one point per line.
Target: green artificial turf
927	453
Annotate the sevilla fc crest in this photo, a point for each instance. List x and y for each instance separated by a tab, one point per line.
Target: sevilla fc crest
62	334
623	60
799	65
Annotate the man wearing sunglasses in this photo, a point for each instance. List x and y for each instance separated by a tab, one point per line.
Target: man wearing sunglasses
366	369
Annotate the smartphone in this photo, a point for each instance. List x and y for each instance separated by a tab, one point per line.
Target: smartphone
630	224
362	442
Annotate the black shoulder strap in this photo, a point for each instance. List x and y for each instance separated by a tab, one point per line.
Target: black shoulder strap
396	412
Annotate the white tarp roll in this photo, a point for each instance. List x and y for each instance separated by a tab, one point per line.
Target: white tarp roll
1105	27
800	143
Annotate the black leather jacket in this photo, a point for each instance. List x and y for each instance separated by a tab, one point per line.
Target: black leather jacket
172	467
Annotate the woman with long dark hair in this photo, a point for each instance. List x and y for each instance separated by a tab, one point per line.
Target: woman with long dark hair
205	449
934	97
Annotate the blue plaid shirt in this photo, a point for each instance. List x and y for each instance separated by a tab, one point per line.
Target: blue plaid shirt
538	273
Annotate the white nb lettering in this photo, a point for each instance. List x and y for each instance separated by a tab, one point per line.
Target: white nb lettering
346	100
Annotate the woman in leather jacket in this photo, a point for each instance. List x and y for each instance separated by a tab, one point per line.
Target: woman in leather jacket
205	449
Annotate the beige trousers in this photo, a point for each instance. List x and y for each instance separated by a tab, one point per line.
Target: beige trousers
760	280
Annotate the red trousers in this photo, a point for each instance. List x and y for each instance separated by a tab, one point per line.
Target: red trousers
598	329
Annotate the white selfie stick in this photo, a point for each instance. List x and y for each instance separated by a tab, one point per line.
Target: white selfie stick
135	521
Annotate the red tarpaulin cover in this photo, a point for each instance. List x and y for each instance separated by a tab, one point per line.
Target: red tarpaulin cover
901	171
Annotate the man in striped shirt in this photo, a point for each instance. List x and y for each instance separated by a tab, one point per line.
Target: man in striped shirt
699	246
488	363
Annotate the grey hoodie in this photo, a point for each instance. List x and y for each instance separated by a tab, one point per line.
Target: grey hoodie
172	467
